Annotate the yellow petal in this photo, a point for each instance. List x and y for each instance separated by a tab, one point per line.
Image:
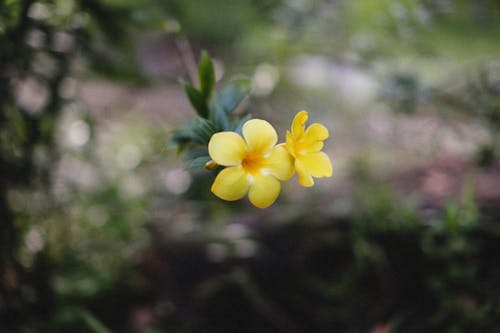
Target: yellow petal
264	191
313	147
290	143
227	148
305	178
280	163
298	124
316	132
259	135
317	164
231	184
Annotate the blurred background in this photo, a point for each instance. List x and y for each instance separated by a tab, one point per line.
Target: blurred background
104	230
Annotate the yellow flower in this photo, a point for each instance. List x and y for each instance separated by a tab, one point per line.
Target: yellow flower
305	146
255	164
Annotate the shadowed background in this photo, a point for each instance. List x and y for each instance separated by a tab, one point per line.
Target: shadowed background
103	229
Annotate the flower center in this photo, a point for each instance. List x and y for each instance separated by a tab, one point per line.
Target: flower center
300	147
253	162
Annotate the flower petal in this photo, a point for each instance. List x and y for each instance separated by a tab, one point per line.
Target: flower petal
305	178
280	163
313	147
264	191
316	132
259	135
227	148
317	164
298	124
231	184
290	143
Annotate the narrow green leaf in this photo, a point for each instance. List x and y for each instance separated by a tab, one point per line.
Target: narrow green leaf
219	118
207	126
195	153
196	99
206	75
198	162
231	96
238	125
197	131
204	129
182	136
92	322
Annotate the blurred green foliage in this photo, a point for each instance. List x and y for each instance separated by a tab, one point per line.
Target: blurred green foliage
91	240
382	265
220	23
41	43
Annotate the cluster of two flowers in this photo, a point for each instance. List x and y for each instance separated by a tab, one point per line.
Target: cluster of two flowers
256	164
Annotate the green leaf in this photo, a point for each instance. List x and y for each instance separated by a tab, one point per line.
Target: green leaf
198	162
219	118
195	153
206	75
238	125
204	129
197	131
231	96
196	99
92	322
182	136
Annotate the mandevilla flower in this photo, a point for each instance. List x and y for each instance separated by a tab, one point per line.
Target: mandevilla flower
254	164
305	146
